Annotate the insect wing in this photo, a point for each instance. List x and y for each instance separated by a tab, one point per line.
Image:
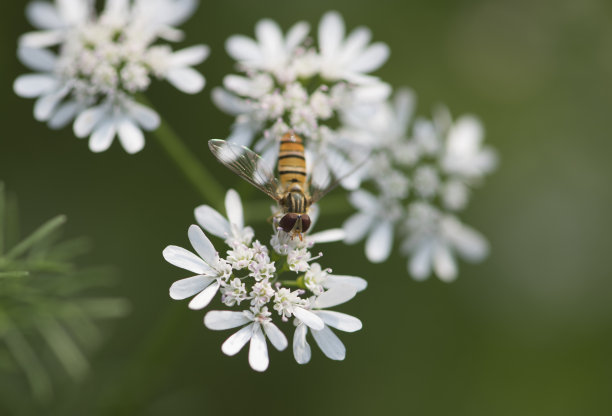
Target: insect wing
247	164
329	171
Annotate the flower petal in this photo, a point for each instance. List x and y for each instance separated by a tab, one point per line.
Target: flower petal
354	44
184	288
87	120
378	244
469	243
270	38
335	280
212	221
336	295
46	104
44	15
420	262
301	349
233	207
243	48
64	114
364	201
309	318
296	35
102	136
34	85
234	344
193	55
330	344
202	245
171	13
242	134
341	321
229	103
37	59
130	136
372	91
187	80
41	39
327	236
371	59
444	263
258	351
220	320
356	227
202	299
74	12
331	32
185	259
276	336
145	116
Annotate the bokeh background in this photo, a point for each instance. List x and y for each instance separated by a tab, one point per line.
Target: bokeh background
528	332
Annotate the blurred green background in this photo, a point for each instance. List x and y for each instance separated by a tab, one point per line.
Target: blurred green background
528	332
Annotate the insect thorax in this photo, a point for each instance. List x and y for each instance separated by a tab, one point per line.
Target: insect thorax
295	201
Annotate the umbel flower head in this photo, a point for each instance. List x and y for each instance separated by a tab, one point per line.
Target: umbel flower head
418	182
288	82
89	68
247	278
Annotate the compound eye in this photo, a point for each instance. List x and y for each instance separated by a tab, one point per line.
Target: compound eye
305	222
288	222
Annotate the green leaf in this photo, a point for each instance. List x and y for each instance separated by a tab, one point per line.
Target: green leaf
14	274
64	347
25	356
40	234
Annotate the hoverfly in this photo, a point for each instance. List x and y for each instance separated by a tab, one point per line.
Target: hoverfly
293	191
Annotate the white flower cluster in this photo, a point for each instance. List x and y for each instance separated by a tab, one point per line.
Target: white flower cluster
421	179
247	277
289	84
89	68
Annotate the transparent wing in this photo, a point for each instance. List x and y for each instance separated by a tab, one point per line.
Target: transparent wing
329	171
246	164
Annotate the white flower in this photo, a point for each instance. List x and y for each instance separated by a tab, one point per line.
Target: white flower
233	293
261	293
281	90
463	155
351	58
455	195
122	117
426	181
432	240
210	270
288	303
327	341
247	273
271	51
231	229
240	257
376	217
261	267
315	278
101	63
298	259
257	323
54	20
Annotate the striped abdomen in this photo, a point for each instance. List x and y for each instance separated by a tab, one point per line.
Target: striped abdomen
291	161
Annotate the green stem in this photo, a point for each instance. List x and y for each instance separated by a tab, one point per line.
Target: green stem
203	181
